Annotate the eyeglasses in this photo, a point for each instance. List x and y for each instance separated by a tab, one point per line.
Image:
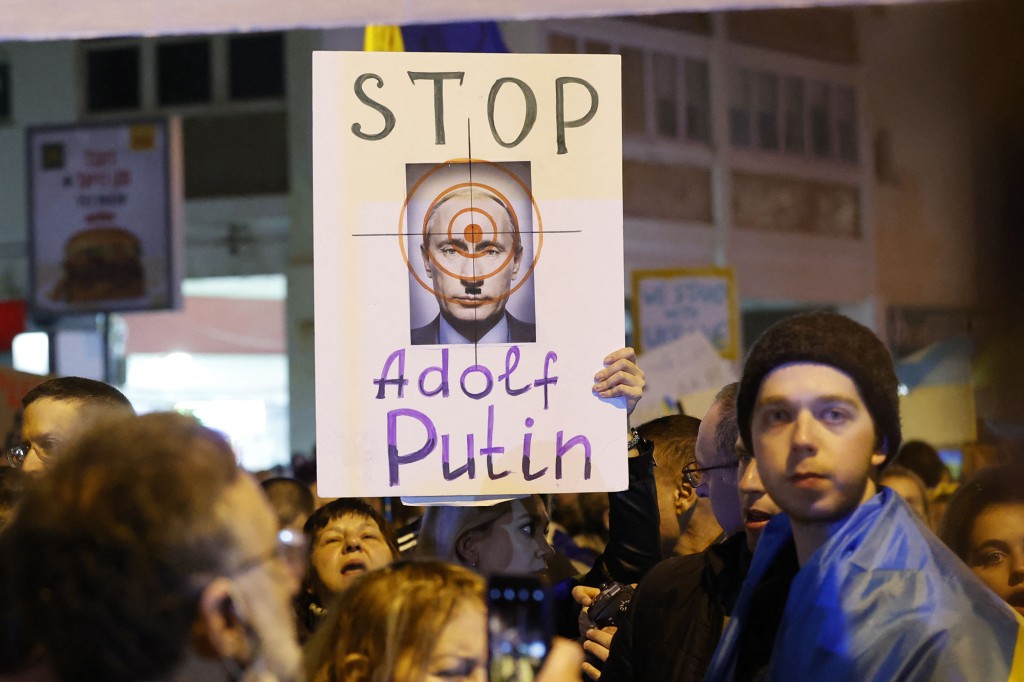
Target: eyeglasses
693	473
15	457
291	548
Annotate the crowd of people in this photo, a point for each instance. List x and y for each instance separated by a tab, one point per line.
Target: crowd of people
789	534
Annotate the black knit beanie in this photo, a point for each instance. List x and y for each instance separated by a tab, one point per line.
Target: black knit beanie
833	340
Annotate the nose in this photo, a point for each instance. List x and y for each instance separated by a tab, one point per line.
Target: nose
544	550
803	429
750	477
32	463
353	545
466	268
1017	570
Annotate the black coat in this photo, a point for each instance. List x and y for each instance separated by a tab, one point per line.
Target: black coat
677	616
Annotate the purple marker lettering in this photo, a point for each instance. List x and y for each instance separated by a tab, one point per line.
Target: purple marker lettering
395	460
468	468
491	449
561	449
511	362
487	376
442	372
548	359
527	441
401	381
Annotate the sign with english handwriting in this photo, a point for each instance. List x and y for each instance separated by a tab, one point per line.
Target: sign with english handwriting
468	273
669	304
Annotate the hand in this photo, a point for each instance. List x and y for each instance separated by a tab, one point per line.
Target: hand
621	377
584	596
598	643
563	662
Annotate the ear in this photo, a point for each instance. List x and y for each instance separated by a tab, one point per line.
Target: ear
219	627
517	260
878	459
467	548
426	258
354	668
684	498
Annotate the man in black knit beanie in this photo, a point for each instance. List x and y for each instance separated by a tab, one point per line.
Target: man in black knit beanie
847	584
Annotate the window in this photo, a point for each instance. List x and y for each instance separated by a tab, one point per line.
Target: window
256	65
793	115
666	108
778	112
821	140
698	100
767	110
113	78
671	85
846	122
187	73
183	72
5	91
740	101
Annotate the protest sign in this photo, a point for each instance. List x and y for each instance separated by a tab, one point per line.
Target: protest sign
668	304
468	273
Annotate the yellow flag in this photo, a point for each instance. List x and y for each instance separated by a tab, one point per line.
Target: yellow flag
383	39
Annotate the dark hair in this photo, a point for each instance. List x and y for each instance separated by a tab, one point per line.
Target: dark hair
342	506
290	498
105	553
77	389
923	460
675	438
997	484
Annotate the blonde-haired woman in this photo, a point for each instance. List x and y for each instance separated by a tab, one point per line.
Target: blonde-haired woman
416	621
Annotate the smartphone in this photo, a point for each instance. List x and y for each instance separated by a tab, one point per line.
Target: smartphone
519	627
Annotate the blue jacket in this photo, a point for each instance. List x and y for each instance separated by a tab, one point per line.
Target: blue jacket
883	599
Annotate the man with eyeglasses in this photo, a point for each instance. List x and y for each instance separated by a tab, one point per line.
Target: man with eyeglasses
679	609
145	553
55	413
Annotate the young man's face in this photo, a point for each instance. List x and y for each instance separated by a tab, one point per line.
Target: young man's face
471	262
814	441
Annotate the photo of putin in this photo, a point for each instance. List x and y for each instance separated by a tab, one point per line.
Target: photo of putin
472	255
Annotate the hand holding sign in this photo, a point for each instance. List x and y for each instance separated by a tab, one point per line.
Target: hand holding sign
621	377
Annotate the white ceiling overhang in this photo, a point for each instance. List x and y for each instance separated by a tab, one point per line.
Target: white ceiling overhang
78	19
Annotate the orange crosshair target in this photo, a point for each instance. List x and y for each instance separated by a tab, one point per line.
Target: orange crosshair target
472	232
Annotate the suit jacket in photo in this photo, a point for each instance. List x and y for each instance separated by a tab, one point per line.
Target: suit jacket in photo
518	331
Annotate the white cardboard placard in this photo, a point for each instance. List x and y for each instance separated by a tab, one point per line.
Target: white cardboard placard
393	135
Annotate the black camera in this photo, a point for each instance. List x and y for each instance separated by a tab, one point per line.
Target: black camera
610	605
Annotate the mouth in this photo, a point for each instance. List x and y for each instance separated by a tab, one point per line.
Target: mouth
472	301
807	480
1016	600
354	568
755	519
